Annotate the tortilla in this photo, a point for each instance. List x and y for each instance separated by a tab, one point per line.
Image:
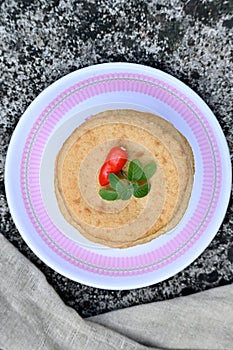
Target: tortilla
124	223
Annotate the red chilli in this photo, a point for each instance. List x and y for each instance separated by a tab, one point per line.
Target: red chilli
114	162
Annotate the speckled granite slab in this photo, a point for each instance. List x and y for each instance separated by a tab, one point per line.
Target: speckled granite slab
41	41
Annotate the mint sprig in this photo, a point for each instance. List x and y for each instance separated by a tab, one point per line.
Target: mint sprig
114	180
142	191
108	195
125	192
148	171
134	182
135	170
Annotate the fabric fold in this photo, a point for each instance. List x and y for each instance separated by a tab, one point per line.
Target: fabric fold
32	316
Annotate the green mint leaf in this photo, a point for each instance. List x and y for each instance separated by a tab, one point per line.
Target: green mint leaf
124	190
114	180
121	186
126	194
142	191
135	170
148	171
108	195
135	186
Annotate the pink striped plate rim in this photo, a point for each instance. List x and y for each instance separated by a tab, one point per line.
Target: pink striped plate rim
98	262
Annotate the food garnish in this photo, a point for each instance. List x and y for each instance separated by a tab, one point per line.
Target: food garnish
123	185
114	162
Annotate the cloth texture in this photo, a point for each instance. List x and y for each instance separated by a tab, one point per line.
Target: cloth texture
32	316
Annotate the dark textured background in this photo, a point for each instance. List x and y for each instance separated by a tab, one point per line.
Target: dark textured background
41	41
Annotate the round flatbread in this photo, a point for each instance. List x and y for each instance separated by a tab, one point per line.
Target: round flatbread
124	223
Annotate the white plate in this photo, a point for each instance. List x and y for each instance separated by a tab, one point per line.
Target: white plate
49	120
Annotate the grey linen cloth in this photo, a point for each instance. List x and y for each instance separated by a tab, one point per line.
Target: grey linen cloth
32	317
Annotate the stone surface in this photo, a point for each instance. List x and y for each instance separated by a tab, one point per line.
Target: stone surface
41	41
